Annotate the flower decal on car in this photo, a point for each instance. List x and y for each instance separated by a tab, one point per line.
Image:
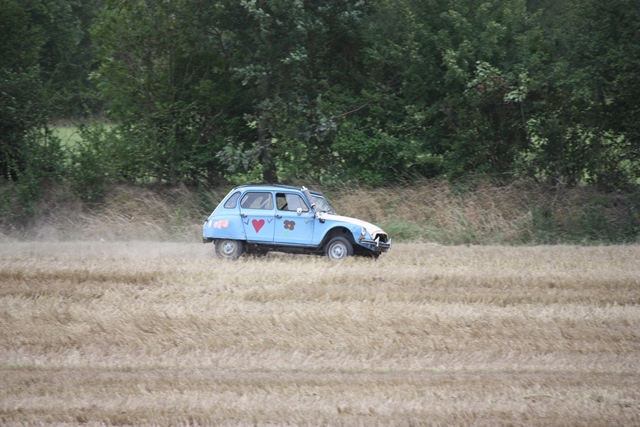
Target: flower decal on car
289	225
222	223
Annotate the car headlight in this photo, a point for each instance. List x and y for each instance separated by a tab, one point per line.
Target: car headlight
363	232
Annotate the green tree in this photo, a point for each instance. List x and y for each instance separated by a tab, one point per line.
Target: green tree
608	59
583	91
168	89
30	157
65	56
27	149
20	87
291	57
452	79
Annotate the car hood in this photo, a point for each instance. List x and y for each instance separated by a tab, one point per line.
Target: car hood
374	230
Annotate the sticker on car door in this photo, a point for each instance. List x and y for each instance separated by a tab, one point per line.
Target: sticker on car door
257	212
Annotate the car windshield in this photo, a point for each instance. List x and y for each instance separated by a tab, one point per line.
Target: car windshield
321	204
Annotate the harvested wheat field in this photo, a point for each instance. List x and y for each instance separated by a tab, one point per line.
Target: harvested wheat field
143	333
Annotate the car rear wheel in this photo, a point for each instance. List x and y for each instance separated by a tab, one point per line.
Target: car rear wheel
339	248
229	249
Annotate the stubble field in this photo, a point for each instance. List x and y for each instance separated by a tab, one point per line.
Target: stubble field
143	333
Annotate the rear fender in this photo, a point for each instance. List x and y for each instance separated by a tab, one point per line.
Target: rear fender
224	227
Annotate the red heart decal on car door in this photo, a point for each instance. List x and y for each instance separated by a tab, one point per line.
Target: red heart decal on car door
257	224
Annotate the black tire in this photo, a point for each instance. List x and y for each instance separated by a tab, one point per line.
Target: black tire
229	249
338	248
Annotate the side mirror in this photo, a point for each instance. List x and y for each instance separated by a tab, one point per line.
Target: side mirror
299	211
318	215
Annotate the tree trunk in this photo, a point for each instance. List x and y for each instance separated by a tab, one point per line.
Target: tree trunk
269	172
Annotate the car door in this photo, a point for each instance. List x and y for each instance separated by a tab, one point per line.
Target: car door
258	214
294	220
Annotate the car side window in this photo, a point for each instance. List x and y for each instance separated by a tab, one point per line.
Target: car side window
257	200
233	201
290	202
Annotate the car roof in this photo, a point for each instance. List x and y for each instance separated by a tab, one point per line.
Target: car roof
271	187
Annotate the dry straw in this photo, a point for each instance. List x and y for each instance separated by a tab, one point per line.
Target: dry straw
427	211
147	333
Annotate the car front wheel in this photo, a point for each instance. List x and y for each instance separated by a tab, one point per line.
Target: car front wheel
229	249
338	248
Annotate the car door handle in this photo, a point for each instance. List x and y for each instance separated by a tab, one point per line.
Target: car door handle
243	215
279	216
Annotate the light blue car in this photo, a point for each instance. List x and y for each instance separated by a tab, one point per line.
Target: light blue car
256	219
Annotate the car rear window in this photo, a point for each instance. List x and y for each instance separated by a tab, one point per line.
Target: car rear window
233	201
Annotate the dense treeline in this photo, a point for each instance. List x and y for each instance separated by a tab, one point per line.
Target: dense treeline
205	92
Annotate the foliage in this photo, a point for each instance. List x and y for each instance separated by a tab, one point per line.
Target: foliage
290	58
206	93
30	156
168	90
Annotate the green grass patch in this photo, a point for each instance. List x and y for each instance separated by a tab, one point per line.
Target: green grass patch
403	231
69	136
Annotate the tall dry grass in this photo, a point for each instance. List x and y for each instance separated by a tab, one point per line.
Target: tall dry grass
142	333
483	213
427	211
438	211
127	213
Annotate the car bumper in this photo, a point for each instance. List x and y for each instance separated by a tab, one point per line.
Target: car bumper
375	245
